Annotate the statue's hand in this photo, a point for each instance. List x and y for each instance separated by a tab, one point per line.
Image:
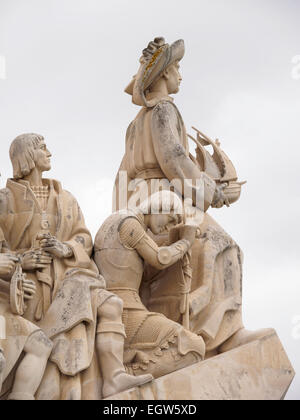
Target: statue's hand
55	247
7	265
188	232
220	198
29	288
35	260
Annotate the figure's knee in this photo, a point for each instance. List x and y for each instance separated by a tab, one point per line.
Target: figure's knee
39	345
111	309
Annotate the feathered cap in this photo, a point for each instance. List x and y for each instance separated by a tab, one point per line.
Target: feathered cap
155	59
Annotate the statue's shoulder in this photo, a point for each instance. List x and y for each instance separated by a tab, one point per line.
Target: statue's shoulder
70	200
165	109
68	194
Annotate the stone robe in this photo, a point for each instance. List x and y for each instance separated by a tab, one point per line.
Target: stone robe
68	293
157	150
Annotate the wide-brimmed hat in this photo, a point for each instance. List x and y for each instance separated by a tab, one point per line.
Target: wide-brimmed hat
155	59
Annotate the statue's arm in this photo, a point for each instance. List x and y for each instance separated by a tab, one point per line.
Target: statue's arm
7	264
133	236
172	156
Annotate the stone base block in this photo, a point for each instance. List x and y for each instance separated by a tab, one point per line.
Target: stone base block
259	370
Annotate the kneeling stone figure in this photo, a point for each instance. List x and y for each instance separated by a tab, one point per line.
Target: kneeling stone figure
154	343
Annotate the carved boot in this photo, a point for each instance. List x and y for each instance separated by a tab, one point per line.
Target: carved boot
244	336
2	366
110	347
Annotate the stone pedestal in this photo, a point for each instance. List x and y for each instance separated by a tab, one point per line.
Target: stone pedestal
259	370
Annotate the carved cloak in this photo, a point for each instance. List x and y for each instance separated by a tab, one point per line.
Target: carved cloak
70	323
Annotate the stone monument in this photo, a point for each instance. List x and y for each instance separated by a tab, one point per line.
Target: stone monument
153	309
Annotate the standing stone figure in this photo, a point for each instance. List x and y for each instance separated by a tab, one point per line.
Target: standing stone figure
154	343
19	336
43	224
157	154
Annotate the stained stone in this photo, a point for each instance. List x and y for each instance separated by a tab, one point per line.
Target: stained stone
259	370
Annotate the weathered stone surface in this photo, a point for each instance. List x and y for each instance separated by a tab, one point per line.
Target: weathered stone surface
259	370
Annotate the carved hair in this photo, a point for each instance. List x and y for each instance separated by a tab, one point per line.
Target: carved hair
162	202
21	154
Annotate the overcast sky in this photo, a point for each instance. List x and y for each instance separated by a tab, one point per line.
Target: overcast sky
67	64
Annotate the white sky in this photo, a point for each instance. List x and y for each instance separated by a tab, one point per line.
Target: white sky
67	63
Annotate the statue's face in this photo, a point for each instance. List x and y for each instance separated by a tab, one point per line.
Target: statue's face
160	222
173	77
42	157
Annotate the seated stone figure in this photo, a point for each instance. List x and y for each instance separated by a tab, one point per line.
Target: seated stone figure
157	155
153	343
44	225
19	336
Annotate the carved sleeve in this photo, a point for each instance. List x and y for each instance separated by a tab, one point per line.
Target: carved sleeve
167	131
133	236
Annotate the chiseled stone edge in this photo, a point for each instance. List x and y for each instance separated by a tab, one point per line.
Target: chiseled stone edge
259	370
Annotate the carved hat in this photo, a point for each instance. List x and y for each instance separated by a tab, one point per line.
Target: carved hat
154	61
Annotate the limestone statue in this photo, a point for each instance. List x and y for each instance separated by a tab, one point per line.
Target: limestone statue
19	335
44	226
154	343
157	156
157	301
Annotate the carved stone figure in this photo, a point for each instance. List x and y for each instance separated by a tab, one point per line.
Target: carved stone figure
43	224
153	342
19	335
157	151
